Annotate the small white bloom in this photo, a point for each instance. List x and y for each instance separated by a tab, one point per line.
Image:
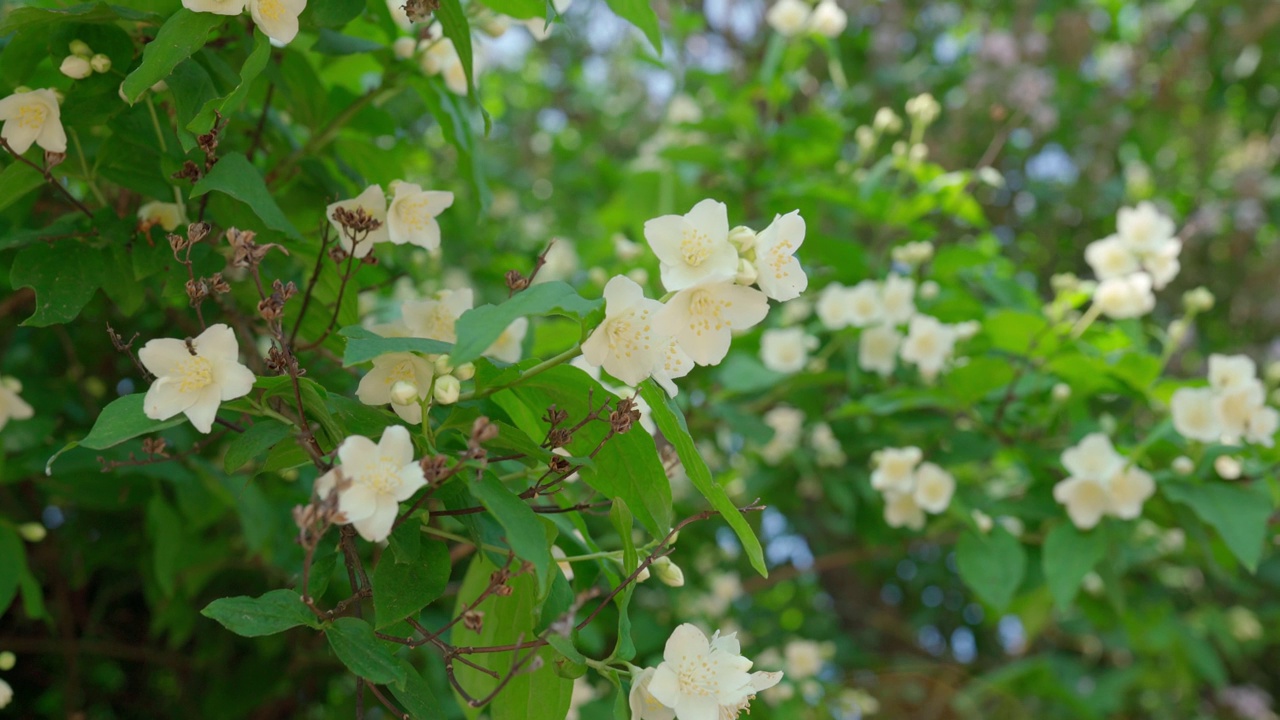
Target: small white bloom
167	215
277	19
1087	500
446	390
898	296
628	343
1227	467
404	48
217	7
788	17
375	479
787	424
827	446
1195	414
1130	296
75	67
374	203
878	349
1163	265
923	109
510	344
864	304
33	118
12	406
1093	458
934	488
929	289
1263	424
1236	406
644	706
895	469
435	319
1198	300
6	694
390	370
702	318
828	20
886	120
100	63
1111	258
411	218
786	350
1231	371
780	274
928	346
1129	489
1144	228
804	658
1061	392
195	376
983	521
832	307
698	676
693	248
1183	465
441	58
667	572
901	510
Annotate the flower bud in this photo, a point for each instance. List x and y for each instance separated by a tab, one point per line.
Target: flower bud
404	392
743	238
447	390
1183	465
465	371
1061	392
404	48
644	575
80	48
747	272
75	67
598	275
1012	525
1092	583
865	137
923	109
1227	467
1178	331
444	365
667	572
919	152
887	120
32	532
1064	283
983	521
1198	300
100	63
929	289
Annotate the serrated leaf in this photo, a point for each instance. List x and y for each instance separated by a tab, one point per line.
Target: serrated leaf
1240	514
354	643
181	35
123	419
364	345
479	327
268	614
256	439
992	565
402	589
236	177
1068	555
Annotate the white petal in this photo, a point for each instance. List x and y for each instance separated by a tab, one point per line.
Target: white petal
161	356
218	344
204	410
358	502
164	399
396	445
712	218
217	7
412	479
234	381
357	453
377	526
277	18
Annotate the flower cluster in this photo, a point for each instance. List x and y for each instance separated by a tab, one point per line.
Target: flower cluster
1233	407
278	19
409	219
709	272
1141	257
83	62
794	17
910	487
33	117
699	679
1101	482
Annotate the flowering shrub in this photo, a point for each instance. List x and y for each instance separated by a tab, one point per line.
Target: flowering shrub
440	373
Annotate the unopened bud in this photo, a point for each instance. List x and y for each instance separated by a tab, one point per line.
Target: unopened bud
1227	467
1064	282
447	390
887	120
404	392
983	521
7	660
667	572
444	365
32	532
747	272
598	275
743	238
929	289
80	48
1198	300
496	25
639	276
75	67
404	48
100	63
1178	331
644	575
1061	392
465	371
1183	465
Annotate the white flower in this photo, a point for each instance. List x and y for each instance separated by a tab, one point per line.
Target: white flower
33	117
693	248
217	7
1229	371
1195	414
1236	405
673	362
399	15
1110	258
760	681
1126	297
827	446
278	19
787	424
374	203
441	58
878	349
1144	228
786	350
411	218
828	19
1086	499
698	676
1163	264
510	344
644	706
1129	489
780	275
389	371
923	109
895	469
12	407
788	17
1183	465
864	304
1093	458
194	376
702	317
898	297
928	346
1227	467
804	658
75	67
404	47
901	510
375	479
1263	424
6	694
435	319
832	307
934	488
886	120
561	262
166	215
627	344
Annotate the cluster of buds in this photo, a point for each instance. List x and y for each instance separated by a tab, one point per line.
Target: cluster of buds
447	387
83	61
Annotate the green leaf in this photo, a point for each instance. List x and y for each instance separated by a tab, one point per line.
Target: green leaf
640	14
354	643
518	9
453	19
478	328
64	276
363	345
991	565
971	382
332	13
406	543
332	42
402	589
671	422
1019	332
522	527
31	18
254	441
122	420
13	563
416	696
252	68
16	181
1067	556
235	176
164	528
1238	512
271	613
181	35
565	646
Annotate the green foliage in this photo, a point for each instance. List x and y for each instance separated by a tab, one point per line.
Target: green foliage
353	641
478	328
274	612
181	35
992	565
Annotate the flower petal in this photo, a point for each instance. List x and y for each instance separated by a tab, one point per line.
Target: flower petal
358	502
204	410
377	526
396	445
161	356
